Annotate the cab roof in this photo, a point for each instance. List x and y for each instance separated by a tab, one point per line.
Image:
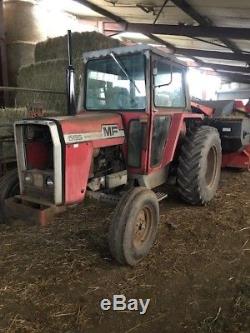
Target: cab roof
122	50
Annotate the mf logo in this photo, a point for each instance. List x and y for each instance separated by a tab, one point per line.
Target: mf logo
110	130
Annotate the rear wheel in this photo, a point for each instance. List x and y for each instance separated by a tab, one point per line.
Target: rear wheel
134	226
198	172
9	187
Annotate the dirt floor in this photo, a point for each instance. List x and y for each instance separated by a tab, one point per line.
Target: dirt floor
197	275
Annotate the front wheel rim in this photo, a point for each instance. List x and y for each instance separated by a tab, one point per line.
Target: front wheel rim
143	227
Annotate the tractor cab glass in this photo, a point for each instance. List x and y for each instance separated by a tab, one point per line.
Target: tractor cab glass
116	82
169	91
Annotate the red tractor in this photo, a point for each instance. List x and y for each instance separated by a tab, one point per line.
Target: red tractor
133	130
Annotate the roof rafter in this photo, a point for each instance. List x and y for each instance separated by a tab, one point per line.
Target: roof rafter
233	77
203	20
244	57
189	31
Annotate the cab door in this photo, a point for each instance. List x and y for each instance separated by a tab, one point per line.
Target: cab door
168	102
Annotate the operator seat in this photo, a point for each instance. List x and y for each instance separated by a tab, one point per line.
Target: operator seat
121	98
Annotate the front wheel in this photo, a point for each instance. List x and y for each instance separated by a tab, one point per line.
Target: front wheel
134	226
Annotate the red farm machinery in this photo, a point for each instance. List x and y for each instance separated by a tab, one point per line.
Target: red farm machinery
133	130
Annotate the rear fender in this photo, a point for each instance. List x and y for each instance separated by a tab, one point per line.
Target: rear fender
178	125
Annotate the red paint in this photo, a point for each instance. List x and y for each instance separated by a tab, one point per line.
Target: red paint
177	127
239	160
37	155
78	159
206	110
87	122
144	118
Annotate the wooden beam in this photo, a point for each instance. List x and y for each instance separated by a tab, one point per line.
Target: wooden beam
245	57
190	31
228	68
101	11
204	21
236	77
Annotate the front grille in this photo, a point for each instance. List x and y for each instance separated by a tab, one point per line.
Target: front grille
37	187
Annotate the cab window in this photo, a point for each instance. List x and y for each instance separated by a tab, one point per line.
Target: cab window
116	83
169	89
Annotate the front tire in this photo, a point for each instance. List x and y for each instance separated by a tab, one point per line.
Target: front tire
9	187
134	226
199	168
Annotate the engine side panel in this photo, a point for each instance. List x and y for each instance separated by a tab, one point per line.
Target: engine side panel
78	159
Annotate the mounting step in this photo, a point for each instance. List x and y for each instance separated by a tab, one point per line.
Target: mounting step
161	195
100	196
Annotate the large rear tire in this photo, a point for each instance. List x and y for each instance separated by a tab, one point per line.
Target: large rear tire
199	167
9	187
134	226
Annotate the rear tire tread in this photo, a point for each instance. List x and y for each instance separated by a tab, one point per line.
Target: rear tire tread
189	168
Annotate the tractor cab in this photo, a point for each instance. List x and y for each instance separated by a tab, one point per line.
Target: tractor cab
136	78
147	87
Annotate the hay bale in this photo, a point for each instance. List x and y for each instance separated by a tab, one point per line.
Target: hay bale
49	70
9	116
19	54
49	75
56	48
22	21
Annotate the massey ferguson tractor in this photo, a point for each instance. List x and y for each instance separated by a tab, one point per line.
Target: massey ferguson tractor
132	131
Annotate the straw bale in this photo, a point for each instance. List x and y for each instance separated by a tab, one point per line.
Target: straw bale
55	48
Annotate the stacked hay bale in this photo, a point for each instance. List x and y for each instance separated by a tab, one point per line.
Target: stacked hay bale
49	69
7	117
48	75
56	48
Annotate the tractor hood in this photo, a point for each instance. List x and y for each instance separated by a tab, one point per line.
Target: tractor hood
91	126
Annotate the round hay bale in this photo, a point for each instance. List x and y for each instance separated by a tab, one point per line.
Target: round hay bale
22	21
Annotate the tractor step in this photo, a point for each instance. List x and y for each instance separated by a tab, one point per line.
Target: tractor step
161	195
114	199
100	196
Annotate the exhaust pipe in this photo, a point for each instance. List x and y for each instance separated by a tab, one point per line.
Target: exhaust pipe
70	80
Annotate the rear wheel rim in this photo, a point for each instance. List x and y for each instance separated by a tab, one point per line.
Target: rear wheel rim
143	227
211	171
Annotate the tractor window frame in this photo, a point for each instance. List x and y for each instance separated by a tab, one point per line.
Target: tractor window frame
145	66
171	65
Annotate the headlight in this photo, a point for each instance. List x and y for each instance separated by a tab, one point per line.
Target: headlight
49	182
28	179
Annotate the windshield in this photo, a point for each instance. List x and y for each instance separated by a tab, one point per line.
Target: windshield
116	85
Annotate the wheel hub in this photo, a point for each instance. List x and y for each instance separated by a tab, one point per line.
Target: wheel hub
211	166
142	227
